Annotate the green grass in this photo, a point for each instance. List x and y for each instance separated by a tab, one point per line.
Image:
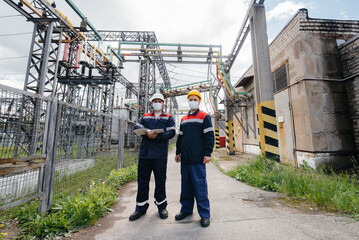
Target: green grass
73	212
171	146
79	181
330	192
214	161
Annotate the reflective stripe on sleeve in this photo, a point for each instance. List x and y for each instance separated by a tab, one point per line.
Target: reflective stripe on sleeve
171	128
206	130
180	133
140	125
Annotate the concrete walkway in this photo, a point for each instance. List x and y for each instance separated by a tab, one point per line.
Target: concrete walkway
238	212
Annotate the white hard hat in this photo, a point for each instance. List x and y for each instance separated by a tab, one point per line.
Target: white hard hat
157	96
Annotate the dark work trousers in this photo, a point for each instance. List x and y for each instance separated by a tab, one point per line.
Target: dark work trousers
159	168
194	185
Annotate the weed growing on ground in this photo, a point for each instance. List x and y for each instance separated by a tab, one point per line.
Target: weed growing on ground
75	211
330	192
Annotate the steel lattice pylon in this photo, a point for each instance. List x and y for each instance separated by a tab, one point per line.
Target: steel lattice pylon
137	36
40	78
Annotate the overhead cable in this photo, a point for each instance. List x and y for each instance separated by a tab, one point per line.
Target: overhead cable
14	34
7	16
9	58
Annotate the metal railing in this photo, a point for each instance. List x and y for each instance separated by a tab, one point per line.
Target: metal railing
50	149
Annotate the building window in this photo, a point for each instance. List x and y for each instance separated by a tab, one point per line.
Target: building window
279	77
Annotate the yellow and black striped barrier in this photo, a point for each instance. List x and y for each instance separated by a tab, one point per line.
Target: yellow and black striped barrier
216	135
230	138
267	129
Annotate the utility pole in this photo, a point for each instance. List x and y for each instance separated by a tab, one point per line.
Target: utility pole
264	93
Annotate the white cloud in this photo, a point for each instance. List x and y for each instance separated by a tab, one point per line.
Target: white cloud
284	10
344	15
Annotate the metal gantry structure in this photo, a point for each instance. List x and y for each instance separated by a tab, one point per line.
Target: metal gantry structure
70	80
85	73
146	63
70	76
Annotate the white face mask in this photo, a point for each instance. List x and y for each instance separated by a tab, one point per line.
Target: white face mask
193	105
157	106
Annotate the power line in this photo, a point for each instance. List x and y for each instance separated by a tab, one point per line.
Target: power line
7	16
188	75
14	34
186	68
9	58
233	77
182	80
15	73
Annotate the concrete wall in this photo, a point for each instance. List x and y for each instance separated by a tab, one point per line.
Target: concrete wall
321	119
313	118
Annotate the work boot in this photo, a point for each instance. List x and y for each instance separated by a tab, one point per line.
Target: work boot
163	213
205	222
182	215
136	215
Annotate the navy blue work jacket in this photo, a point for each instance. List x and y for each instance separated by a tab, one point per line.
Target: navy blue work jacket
195	138
156	148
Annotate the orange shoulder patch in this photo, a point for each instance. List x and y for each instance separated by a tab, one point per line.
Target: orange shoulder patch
201	114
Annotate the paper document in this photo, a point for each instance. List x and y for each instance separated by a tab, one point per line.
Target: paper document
143	131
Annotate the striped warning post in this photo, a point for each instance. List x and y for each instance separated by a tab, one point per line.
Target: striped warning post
216	135
267	129
230	138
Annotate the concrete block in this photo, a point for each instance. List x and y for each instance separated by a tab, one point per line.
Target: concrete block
320	142
335	142
297	49
316	160
340	102
304	142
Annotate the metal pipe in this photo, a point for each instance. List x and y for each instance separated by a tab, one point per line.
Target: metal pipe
168	55
73	6
171	44
161	50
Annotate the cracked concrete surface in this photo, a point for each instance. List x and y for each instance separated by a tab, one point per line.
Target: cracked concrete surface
238	211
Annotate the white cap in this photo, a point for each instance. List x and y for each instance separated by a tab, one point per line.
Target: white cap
157	96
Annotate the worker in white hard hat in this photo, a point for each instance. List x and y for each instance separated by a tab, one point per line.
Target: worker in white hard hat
153	157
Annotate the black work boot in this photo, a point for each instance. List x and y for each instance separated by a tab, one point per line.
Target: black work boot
163	213
182	215
136	215
205	222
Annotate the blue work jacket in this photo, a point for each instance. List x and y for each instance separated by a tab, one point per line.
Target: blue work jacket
195	138
156	148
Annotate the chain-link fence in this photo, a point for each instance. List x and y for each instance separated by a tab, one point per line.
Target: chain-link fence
23	118
50	149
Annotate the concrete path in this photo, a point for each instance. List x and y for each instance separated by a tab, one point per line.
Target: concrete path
238	212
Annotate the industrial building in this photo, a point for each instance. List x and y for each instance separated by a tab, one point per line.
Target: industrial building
315	67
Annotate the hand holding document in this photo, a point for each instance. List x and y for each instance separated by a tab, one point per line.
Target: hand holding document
143	131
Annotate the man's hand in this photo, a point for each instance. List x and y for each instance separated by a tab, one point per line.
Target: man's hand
178	158
206	159
152	136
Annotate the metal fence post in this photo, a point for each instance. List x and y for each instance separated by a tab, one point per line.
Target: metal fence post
121	140
51	148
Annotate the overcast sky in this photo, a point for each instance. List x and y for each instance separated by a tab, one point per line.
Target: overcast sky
175	21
